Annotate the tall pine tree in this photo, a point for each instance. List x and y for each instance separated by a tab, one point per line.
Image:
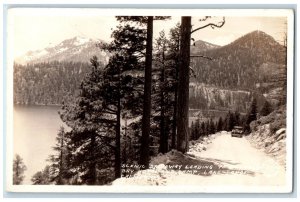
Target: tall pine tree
220	124
91	139
183	78
145	139
18	170
61	162
164	91
174	45
43	177
251	115
183	88
122	81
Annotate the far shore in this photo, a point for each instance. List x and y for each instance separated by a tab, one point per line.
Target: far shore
37	104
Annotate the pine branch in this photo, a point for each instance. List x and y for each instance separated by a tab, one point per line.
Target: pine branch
212	25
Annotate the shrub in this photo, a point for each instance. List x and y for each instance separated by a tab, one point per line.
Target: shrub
276	119
277	124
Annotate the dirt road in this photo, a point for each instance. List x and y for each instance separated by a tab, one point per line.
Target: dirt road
236	154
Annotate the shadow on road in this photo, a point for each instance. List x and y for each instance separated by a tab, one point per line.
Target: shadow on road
204	166
216	160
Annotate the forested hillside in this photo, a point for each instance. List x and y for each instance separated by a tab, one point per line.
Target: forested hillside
238	65
47	83
252	63
228	77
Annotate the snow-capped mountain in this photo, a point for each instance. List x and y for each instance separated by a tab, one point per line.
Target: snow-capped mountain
77	49
81	49
253	65
202	46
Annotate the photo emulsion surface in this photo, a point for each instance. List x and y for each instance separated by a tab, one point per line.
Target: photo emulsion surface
136	101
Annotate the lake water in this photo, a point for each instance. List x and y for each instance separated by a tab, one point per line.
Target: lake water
35	130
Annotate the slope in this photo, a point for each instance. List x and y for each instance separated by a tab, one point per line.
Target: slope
76	49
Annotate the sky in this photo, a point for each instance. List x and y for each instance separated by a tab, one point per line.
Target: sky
36	29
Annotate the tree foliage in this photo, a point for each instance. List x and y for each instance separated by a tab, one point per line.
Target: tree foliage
42	177
164	92
220	124
90	137
61	161
18	170
123	81
266	109
251	115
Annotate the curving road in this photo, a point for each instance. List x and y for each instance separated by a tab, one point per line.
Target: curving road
227	164
258	169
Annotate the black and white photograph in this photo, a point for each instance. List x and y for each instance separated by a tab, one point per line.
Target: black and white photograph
150	100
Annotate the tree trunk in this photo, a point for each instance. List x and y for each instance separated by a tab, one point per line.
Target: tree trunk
144	158
183	87
174	125
118	142
125	147
163	147
93	171
17	173
60	175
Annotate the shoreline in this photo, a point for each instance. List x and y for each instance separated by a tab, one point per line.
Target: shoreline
39	104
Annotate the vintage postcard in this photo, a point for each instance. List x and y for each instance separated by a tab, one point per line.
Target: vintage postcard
149	101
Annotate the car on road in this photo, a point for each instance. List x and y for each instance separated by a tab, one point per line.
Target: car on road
237	131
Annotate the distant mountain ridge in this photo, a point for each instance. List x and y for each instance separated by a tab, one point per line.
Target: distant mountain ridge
238	64
202	46
76	49
81	49
253	63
